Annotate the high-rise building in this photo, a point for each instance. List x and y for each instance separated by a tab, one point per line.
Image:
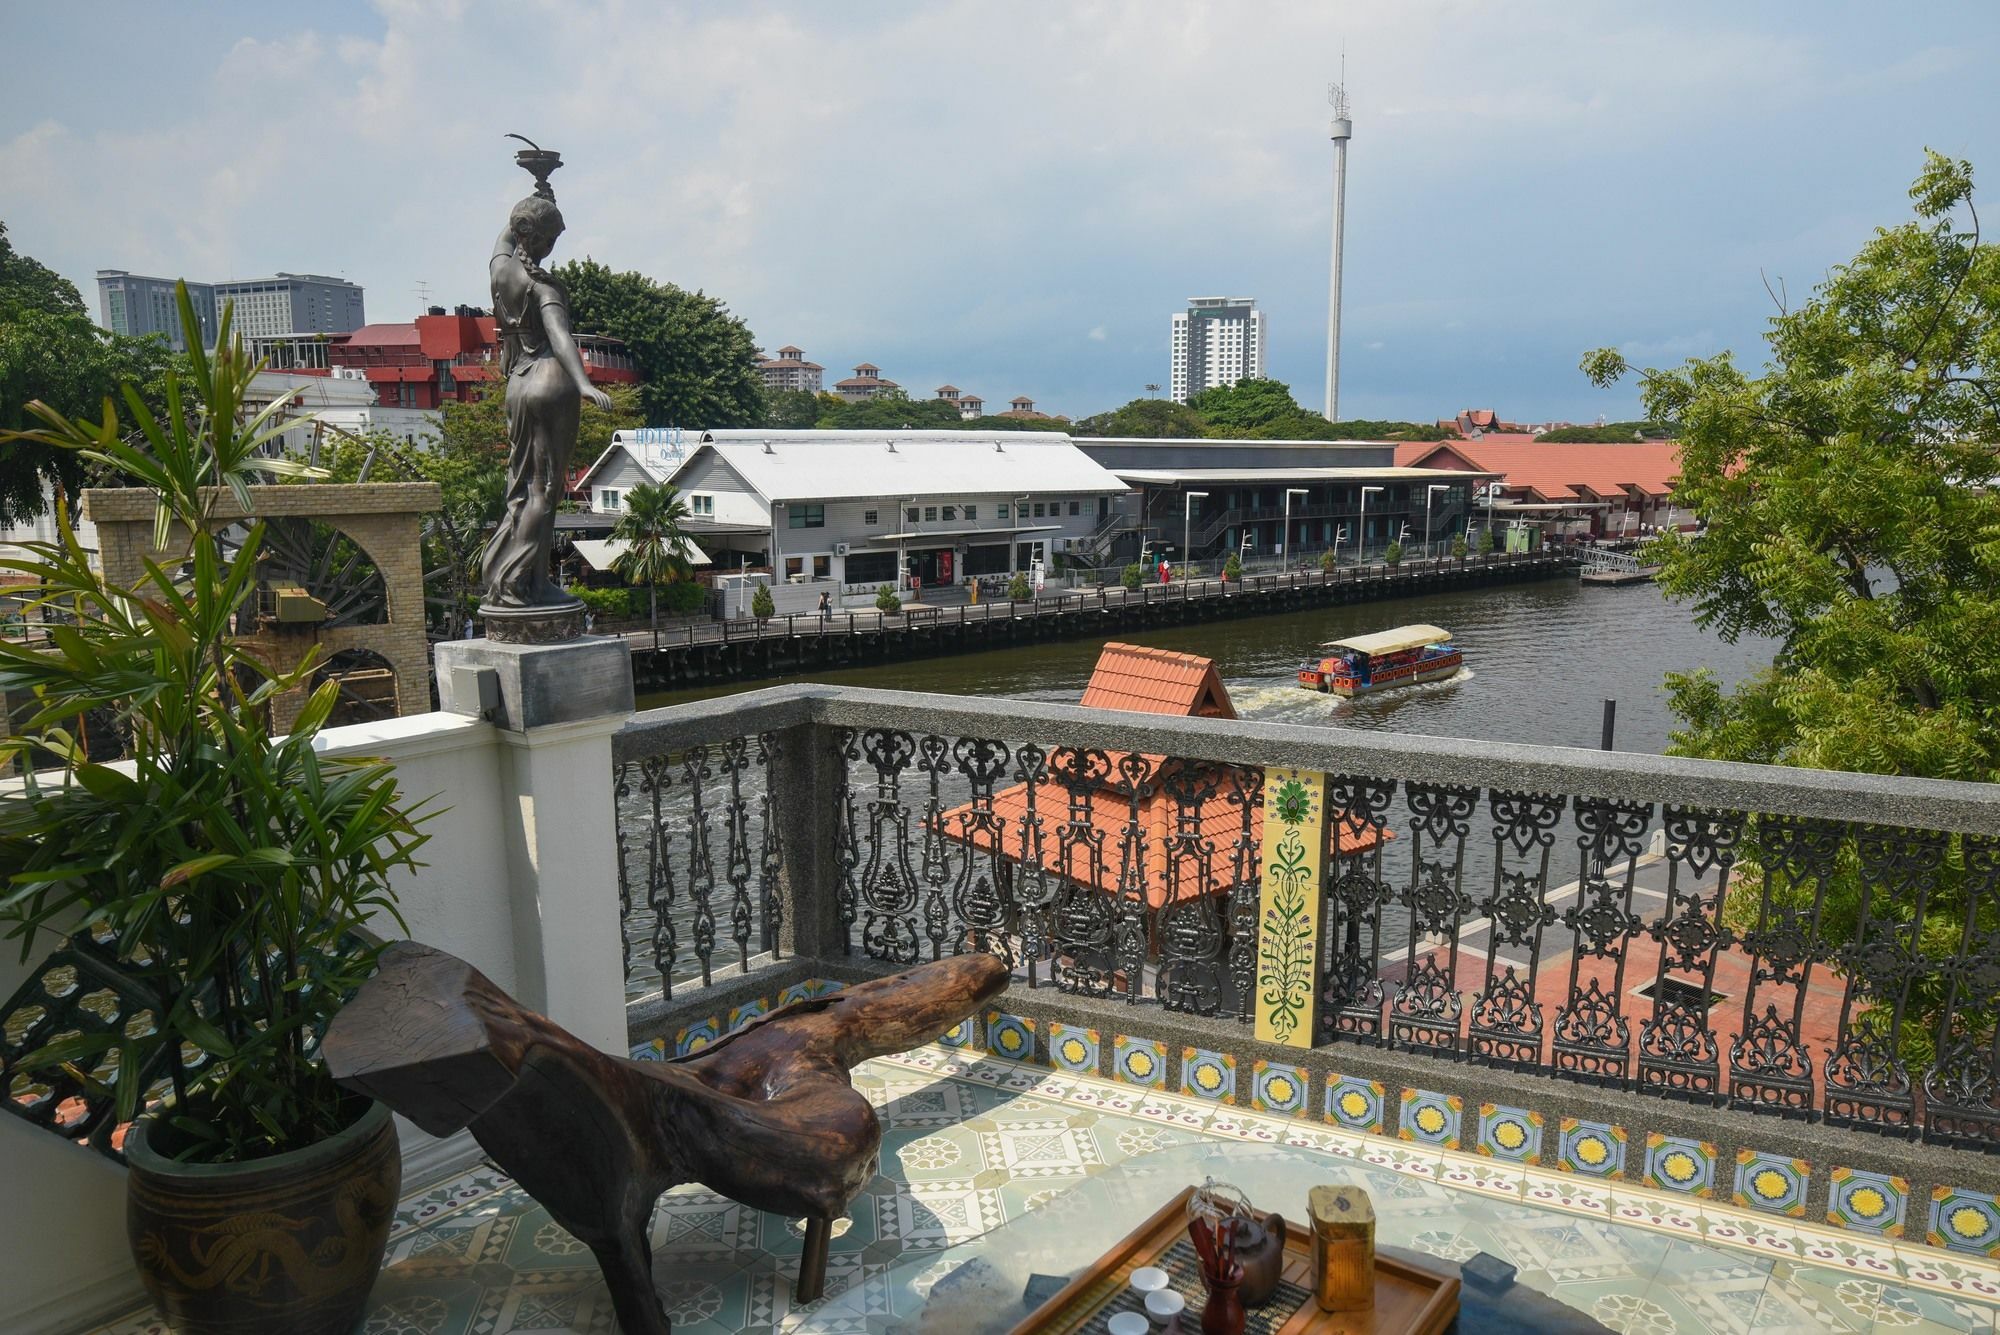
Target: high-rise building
130	303
293	303
1216	341
285	303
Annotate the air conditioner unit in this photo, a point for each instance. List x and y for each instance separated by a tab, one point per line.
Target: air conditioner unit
840	549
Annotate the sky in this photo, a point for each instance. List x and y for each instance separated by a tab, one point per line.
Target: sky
1015	198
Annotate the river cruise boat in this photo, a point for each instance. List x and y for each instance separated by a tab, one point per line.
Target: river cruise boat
1383	661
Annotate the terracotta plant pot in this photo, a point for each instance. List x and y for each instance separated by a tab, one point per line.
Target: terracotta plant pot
290	1243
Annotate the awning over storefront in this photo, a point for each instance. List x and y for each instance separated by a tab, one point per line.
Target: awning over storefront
999	533
601	552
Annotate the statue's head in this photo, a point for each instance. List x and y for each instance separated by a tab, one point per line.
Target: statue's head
535	224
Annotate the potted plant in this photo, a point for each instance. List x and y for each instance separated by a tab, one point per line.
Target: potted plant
1134	576
761	605
1232	568
1458	547
1393	557
886	601
1328	562
226	871
1018	588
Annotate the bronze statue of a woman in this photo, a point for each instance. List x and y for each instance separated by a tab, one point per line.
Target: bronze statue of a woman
546	385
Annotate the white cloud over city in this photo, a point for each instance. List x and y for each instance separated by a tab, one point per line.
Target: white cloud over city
1015	198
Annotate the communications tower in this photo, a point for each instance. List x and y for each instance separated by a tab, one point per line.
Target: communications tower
1343	130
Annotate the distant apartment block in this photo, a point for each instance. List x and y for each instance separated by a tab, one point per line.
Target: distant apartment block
1216	341
273	307
130	303
293	303
867	382
789	370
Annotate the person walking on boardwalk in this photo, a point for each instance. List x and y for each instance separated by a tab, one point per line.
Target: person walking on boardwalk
825	604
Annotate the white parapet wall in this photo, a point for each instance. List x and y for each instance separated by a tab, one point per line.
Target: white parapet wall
519	878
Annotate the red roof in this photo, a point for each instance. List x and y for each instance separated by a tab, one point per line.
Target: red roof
383	336
1139	679
1556	472
1145	680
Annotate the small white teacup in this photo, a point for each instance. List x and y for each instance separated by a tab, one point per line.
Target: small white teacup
1163	1305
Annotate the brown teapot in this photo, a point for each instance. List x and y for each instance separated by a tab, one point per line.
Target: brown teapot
1260	1250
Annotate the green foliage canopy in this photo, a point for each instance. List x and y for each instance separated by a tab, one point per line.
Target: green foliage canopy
698	362
1848	516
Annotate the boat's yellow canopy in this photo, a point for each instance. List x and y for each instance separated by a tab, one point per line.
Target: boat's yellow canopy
1392	641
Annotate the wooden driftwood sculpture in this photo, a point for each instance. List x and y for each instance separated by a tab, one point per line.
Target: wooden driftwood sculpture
766	1116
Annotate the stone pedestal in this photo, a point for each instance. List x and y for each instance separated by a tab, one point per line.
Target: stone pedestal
540	684
557	707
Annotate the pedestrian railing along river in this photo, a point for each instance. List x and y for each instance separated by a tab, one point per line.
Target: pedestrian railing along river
1792	942
1057	603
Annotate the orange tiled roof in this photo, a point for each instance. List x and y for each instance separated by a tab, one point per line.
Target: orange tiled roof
1562	472
1145	680
1142	680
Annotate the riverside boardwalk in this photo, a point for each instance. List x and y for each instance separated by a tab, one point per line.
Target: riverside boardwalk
745	648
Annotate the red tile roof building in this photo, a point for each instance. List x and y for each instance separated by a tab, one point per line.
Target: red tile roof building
437	358
1604	490
1137	679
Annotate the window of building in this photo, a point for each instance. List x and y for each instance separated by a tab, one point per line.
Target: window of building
870	568
1076	507
869	517
1003	509
794	565
808	516
971	512
607	498
822	567
930	514
1039	509
910	515
950	513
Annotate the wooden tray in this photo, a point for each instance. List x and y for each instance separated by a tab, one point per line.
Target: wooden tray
1409	1299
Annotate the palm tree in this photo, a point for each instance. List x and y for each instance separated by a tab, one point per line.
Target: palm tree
655	545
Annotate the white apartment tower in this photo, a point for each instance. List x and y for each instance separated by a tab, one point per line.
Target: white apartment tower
1217	341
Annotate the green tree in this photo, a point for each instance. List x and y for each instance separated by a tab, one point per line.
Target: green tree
1134	576
1610	433
1393	555
1158	418
1458	547
891	410
1486	540
1018	588
51	352
655	546
1233	567
698	361
761	605
1254	407
794	409
886	600
1844	512
1328	562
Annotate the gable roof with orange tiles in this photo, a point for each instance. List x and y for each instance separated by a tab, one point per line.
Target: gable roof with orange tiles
1556	471
1137	678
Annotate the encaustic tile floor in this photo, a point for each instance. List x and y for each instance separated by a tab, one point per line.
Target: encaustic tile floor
972	1145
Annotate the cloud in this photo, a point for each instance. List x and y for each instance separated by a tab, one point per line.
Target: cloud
925	187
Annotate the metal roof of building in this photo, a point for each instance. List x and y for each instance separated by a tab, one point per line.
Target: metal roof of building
860	465
1256	476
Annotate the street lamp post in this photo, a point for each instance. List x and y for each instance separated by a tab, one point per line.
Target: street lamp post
1187	531
1339	536
1361	537
1285	539
1429	540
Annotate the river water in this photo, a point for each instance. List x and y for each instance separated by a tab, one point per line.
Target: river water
1540	660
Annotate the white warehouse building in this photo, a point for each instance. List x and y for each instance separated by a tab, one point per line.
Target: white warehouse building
859	509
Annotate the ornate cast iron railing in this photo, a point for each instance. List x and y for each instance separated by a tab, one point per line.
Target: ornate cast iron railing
1792	942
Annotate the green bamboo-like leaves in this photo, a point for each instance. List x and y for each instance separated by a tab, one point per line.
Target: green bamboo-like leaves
236	868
